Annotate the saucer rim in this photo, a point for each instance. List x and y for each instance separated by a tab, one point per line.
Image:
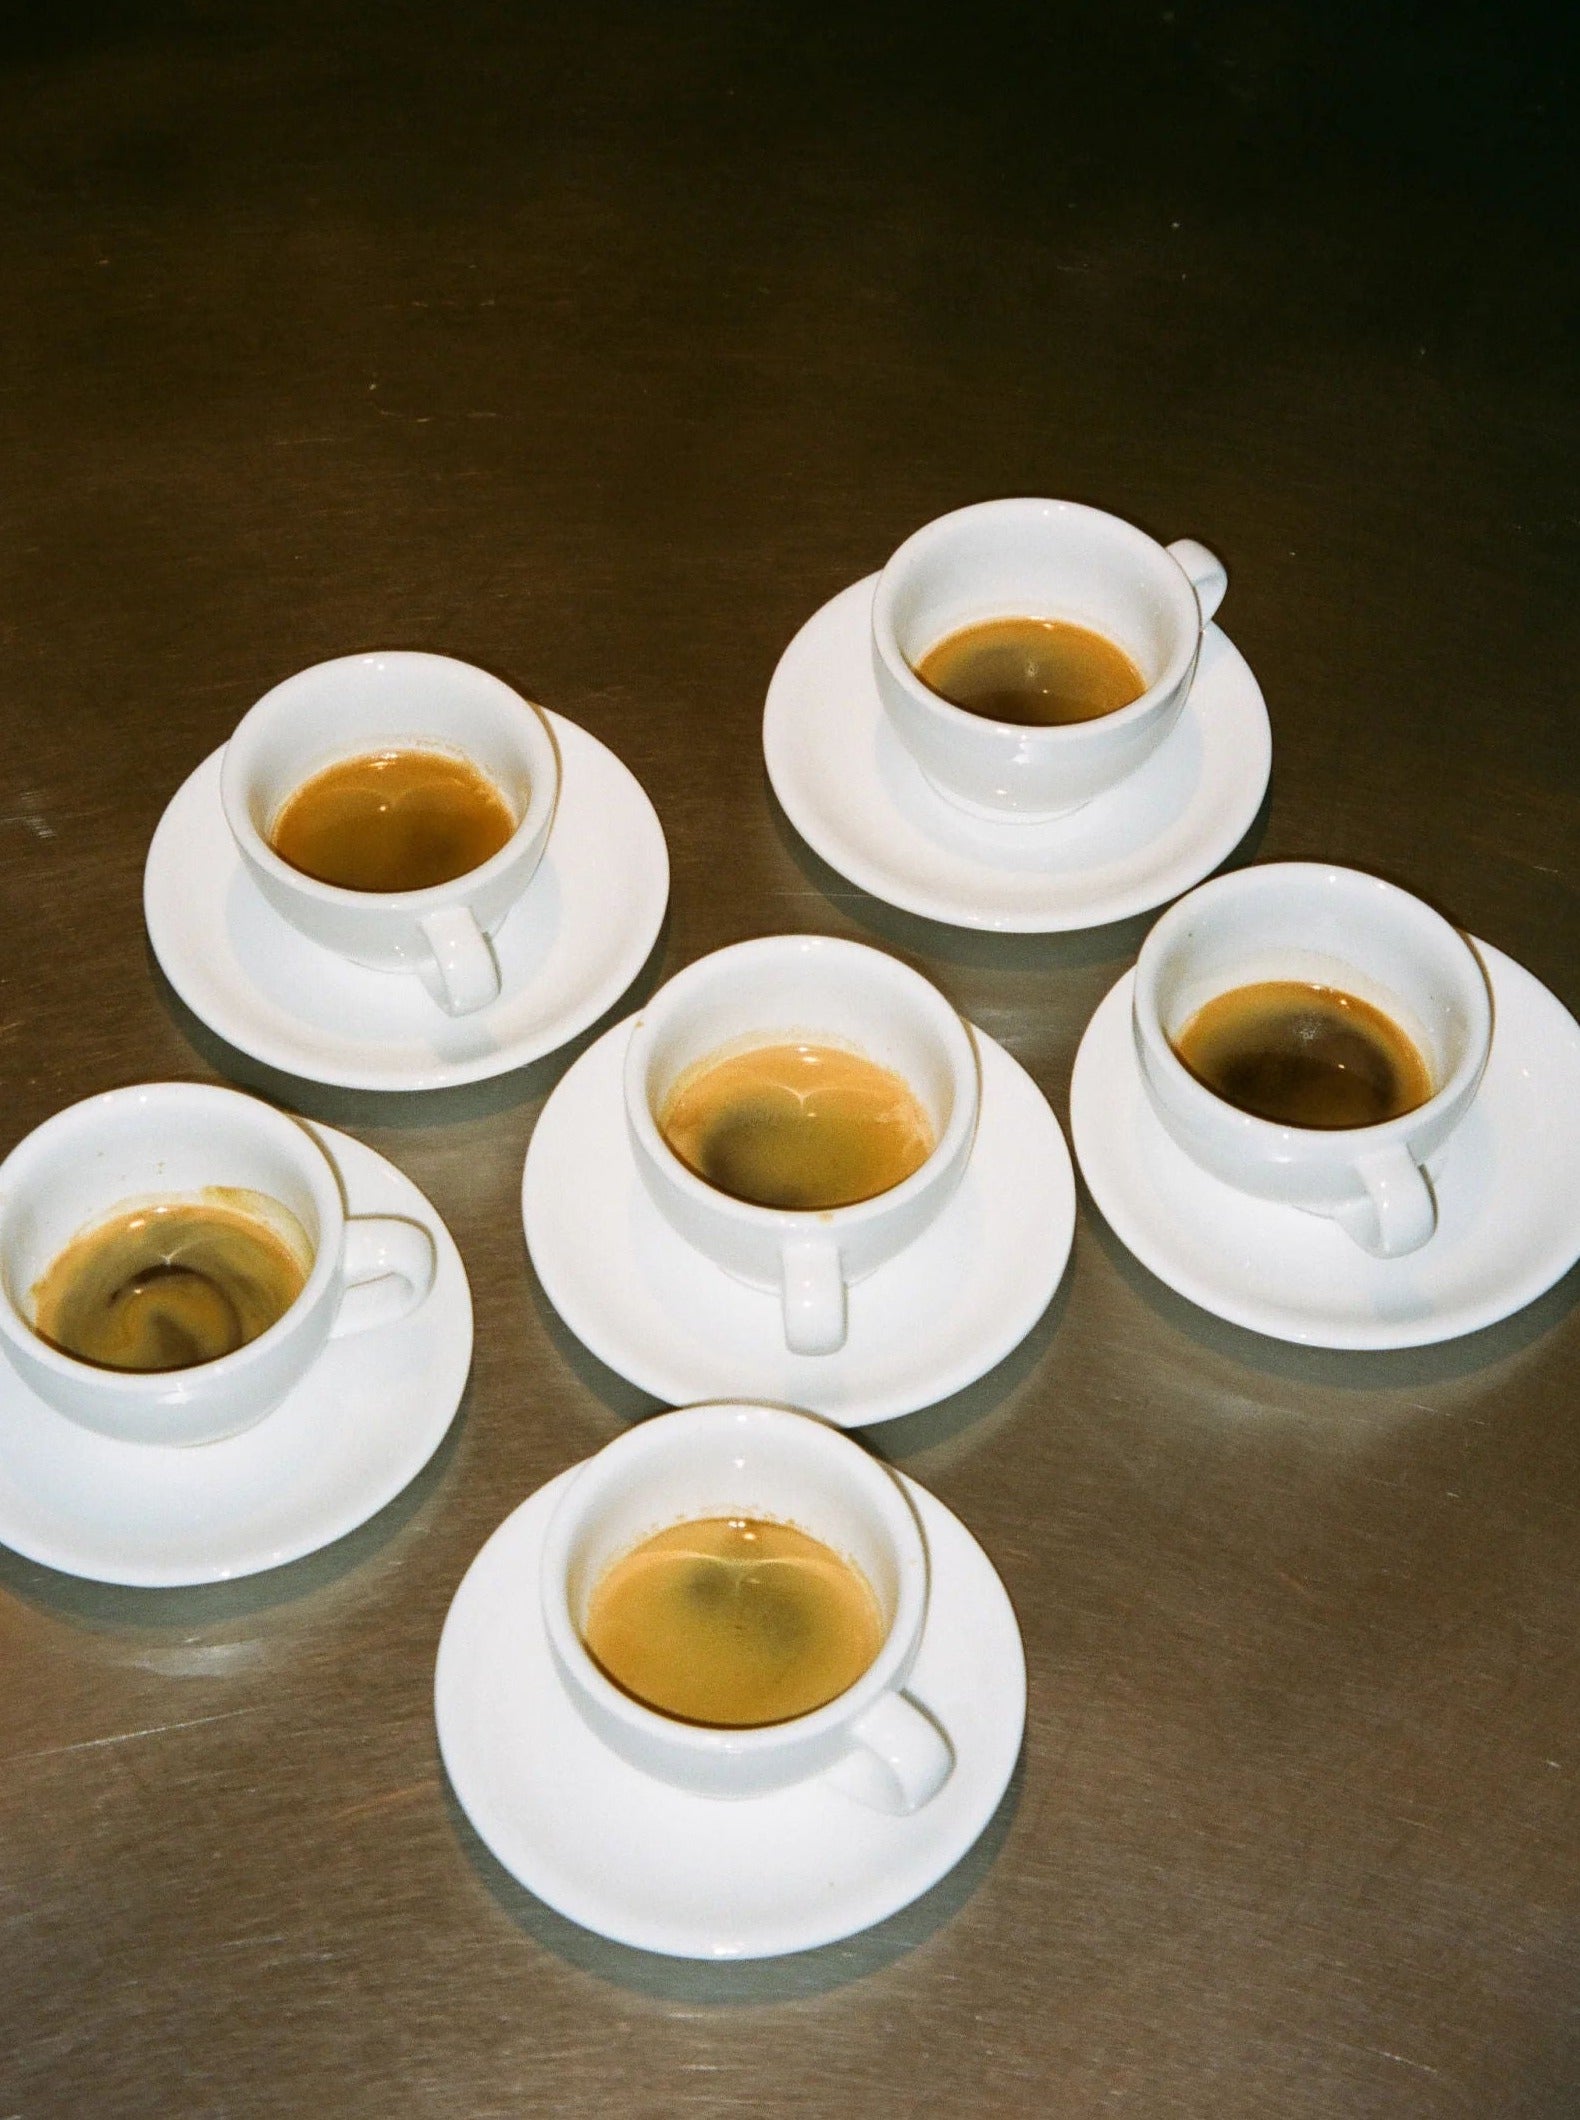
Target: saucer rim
1352	1336
294	1060
355	1164
952	912
677	1390
476	1596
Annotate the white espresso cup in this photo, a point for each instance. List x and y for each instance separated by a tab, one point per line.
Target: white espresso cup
787	989
1046	560
190	1141
359	704
1335	928
871	1741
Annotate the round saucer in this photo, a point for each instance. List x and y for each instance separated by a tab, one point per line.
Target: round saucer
858	799
930	1322
1507	1186
695	1876
351	1435
568	951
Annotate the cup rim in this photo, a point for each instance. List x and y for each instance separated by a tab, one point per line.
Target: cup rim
713	1741
965	1068
158	1384
534	824
1052	736
1159	1053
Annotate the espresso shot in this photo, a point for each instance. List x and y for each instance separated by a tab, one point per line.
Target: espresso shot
733	1623
1304	1055
172	1283
796	1126
1033	672
396	820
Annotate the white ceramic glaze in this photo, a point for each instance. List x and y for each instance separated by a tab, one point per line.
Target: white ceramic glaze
569	950
337	1449
859	800
753	1461
1039	559
393	699
653	1866
933	1320
1506	1187
1332	927
113	1151
818	988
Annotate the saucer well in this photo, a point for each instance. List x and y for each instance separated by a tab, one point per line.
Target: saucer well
695	1876
858	799
1507	1186
568	951
345	1442
927	1324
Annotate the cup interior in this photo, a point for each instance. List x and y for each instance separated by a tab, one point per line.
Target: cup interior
864	1002
363	703
1041	559
1332	928
121	1150
781	1470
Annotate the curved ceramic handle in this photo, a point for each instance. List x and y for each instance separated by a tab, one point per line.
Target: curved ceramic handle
1398	1213
388	1266
900	1759
1208	575
814	1295
468	972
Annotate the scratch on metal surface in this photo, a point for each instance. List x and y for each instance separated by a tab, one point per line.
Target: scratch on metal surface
1404	2061
385	1802
123	1737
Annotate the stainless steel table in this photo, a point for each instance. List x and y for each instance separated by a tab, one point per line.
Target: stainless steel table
600	346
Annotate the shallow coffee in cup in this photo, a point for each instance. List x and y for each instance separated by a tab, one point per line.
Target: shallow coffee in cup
1034	672
796	1125
172	1282
1304	1055
733	1622
393	820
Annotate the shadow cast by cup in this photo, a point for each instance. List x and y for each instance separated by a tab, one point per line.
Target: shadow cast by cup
336	1106
742	1982
100	1604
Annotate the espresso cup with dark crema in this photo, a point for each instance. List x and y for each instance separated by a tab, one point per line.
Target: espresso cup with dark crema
1313	1036
394	807
1033	654
175	1257
801	1109
734	1597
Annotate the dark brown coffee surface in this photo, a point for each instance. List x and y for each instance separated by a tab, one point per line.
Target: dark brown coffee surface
1304	1056
733	1622
1035	672
172	1283
393	821
796	1126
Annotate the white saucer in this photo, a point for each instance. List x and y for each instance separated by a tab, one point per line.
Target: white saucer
345	1442
856	797
1507	1184
930	1322
692	1876
567	952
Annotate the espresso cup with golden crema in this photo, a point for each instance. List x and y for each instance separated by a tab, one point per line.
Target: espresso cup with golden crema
175	1257
801	1109
393	808
734	1597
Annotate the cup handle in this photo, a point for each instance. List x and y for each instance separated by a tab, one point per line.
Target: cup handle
1208	575
388	1266
814	1295
464	958
899	1759
1398	1213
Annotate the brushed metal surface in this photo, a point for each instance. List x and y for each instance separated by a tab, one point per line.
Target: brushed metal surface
600	345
